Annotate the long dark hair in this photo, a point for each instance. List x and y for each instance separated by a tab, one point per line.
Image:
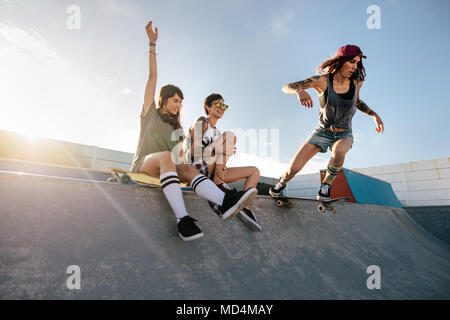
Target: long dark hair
166	92
335	64
209	99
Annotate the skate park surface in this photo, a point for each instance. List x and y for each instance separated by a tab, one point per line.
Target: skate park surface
124	241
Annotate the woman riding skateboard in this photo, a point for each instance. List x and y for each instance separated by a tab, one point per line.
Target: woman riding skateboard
338	91
157	150
214	151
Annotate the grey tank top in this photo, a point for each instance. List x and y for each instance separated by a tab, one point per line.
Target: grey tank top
336	111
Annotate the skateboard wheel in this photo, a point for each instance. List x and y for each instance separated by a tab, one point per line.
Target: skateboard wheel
321	208
279	203
125	179
290	205
333	209
112	179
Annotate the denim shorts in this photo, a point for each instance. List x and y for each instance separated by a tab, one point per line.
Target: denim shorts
324	138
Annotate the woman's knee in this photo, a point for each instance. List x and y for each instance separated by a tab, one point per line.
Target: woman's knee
229	136
255	171
155	162
339	154
187	172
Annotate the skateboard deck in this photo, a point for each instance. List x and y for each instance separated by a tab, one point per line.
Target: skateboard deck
324	206
141	179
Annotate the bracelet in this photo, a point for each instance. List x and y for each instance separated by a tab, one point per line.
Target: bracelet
152	52
152	44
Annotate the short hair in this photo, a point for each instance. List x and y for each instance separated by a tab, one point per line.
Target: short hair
209	99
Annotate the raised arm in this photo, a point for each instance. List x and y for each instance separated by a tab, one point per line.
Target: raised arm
363	107
317	82
150	88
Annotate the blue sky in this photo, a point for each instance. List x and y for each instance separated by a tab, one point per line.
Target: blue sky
86	85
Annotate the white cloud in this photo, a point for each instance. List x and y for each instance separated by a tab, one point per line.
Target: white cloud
119	7
33	42
124	92
280	20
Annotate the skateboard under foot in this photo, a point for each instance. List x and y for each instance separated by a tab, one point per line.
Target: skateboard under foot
324	206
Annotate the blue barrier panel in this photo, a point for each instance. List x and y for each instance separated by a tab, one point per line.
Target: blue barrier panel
369	190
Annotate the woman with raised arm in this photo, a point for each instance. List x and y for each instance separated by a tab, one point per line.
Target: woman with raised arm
159	147
338	91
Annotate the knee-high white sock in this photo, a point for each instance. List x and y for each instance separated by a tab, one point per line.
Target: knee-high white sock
170	183
207	189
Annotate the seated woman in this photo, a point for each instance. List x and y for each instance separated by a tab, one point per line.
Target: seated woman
157	151
210	157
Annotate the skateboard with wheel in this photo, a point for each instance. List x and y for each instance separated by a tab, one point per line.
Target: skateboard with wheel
329	204
324	206
133	178
283	202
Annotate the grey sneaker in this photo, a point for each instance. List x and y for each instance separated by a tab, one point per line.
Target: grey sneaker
277	190
324	192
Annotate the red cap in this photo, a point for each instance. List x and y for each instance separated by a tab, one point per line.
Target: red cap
349	51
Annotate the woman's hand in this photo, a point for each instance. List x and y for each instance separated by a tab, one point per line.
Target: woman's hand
222	173
379	124
152	35
304	98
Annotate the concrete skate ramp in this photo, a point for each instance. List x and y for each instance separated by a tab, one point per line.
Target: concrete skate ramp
124	240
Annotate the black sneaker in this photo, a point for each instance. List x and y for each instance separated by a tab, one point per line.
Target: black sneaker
249	219
324	192
188	230
277	190
233	202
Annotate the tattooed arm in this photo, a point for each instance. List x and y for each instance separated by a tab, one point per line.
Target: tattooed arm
363	107
291	88
317	82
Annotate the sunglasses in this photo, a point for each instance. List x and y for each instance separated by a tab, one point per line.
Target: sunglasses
220	105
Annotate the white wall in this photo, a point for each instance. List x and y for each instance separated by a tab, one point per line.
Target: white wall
100	158
304	185
420	183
